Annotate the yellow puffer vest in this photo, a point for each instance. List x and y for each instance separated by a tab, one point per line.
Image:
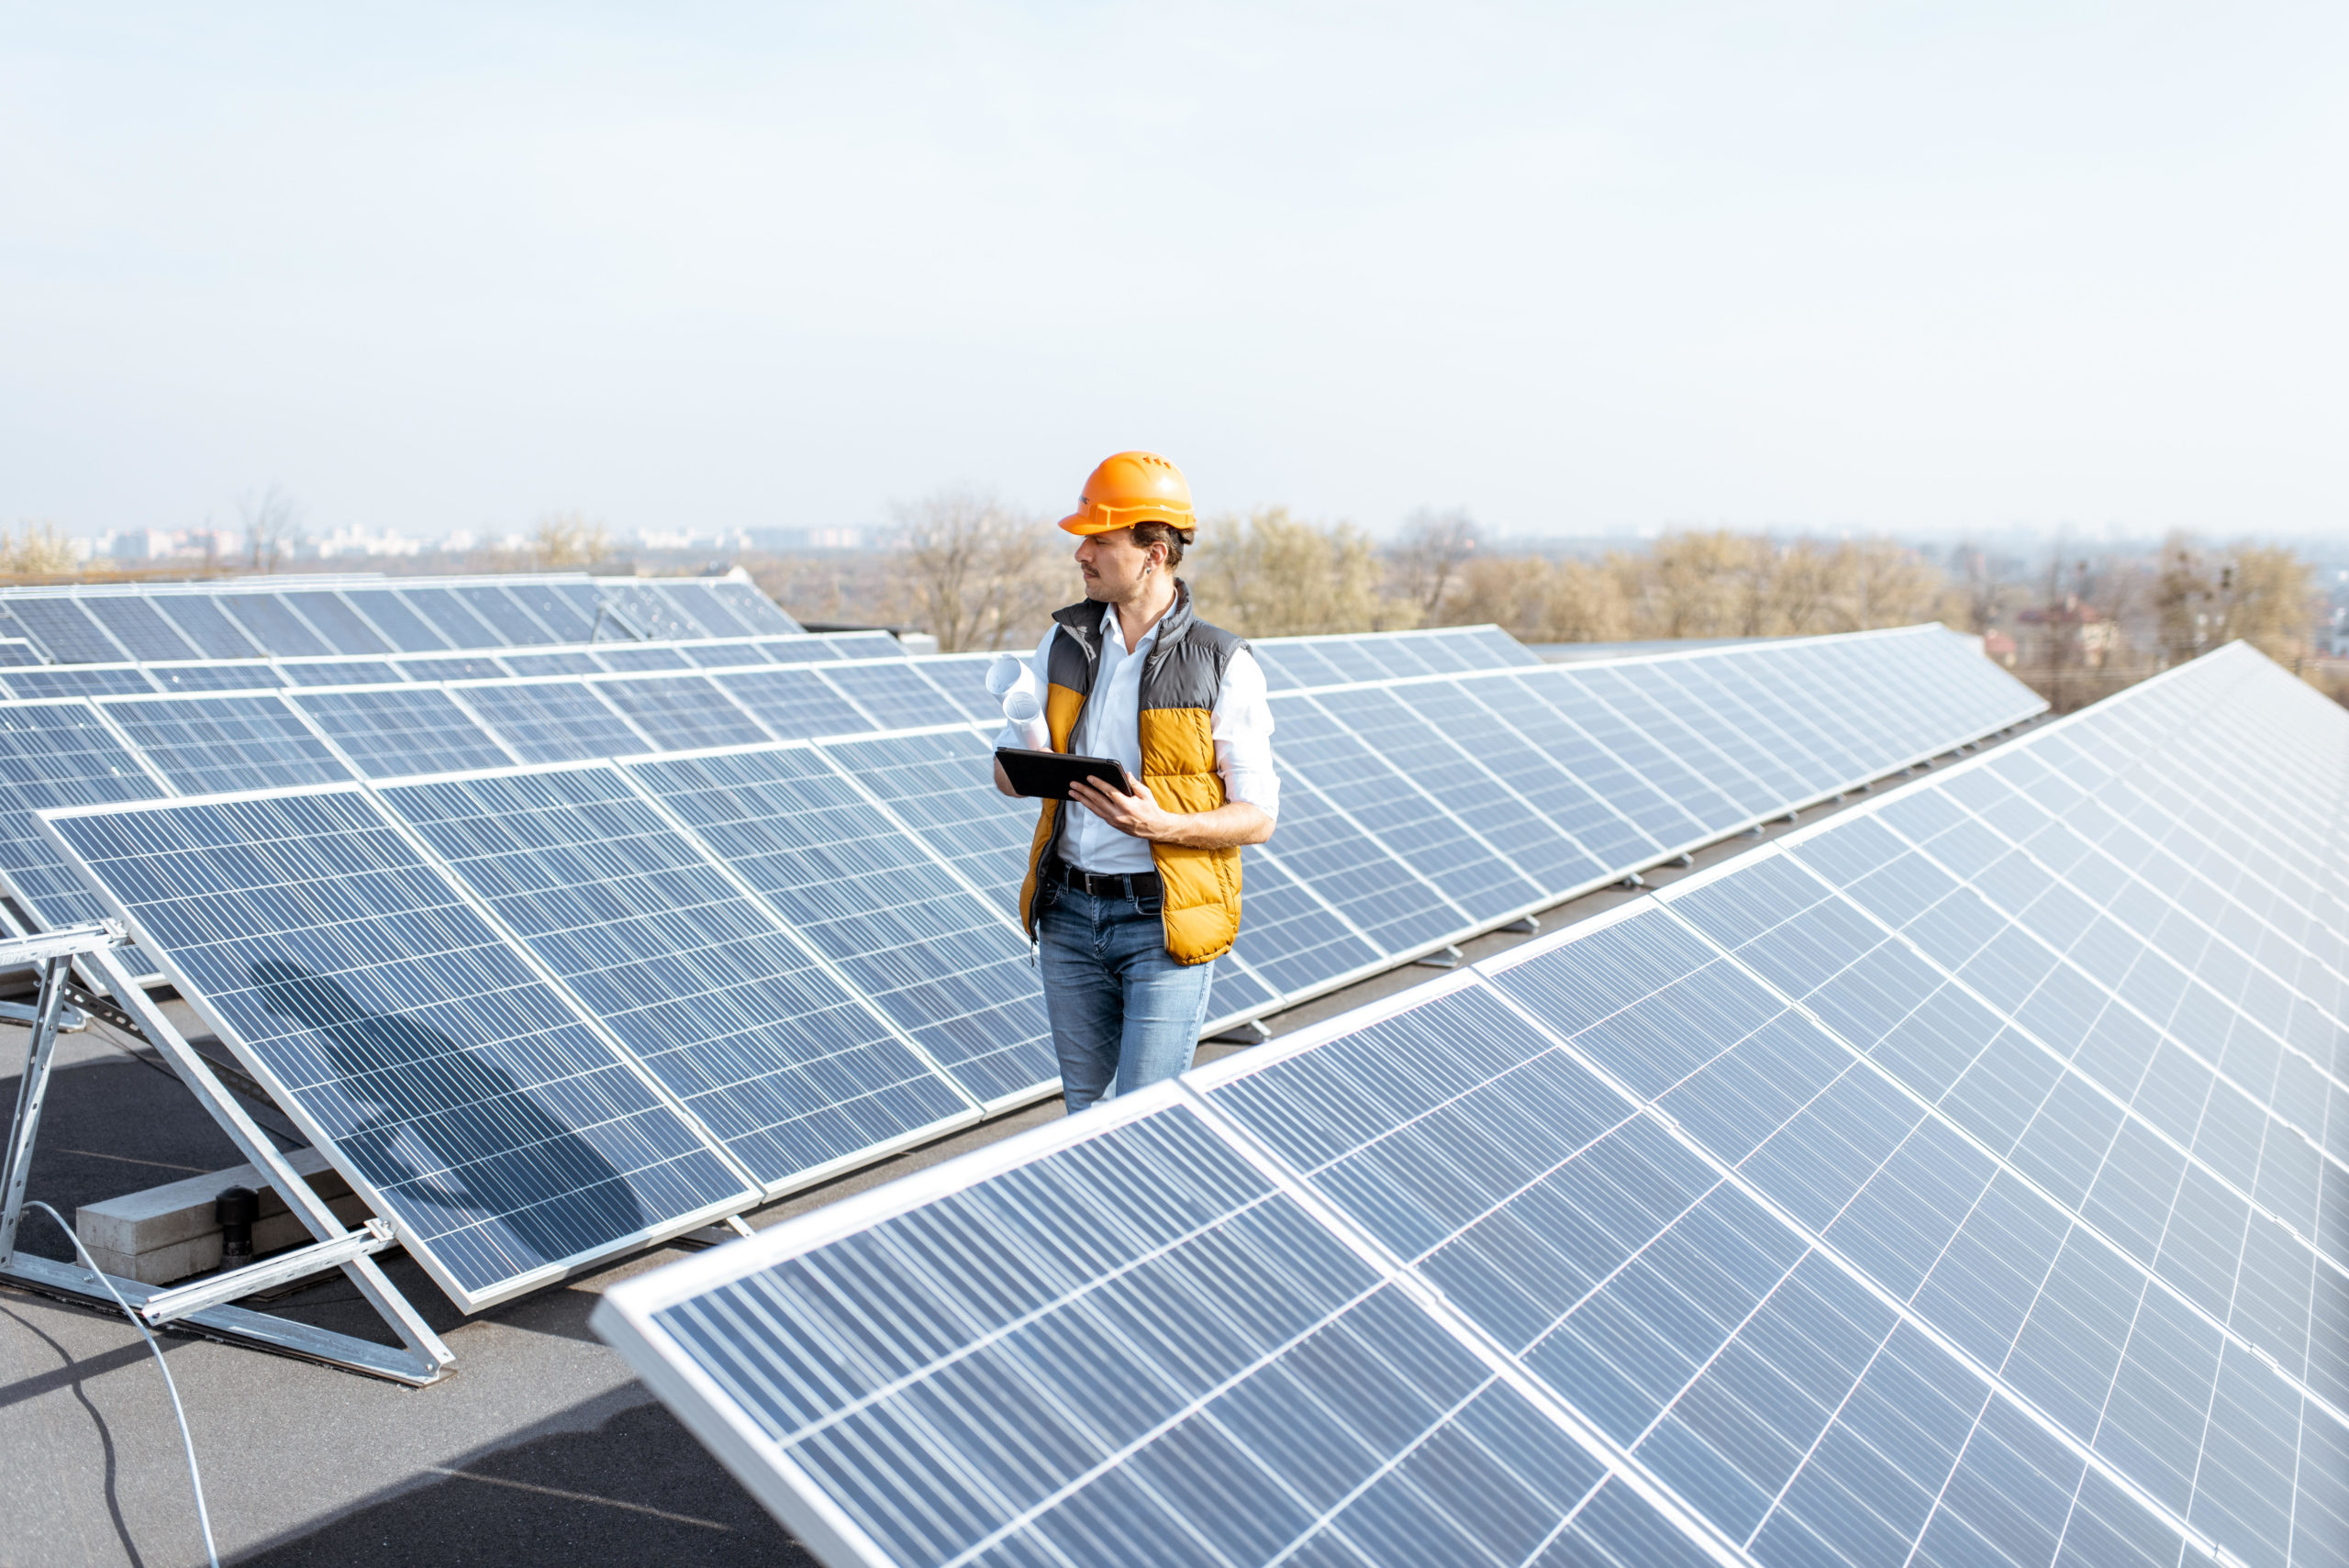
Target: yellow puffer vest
1179	683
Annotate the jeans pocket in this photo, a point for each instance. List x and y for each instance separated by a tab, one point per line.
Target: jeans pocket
1149	906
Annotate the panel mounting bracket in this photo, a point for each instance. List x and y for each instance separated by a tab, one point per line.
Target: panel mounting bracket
202	1306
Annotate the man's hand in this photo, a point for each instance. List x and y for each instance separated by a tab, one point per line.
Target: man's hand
1137	813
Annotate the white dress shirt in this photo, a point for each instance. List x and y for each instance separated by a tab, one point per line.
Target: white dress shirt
1242	725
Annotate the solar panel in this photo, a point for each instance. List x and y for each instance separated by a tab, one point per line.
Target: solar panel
239	676
793	703
1355	775
706	608
393	731
392	616
963	678
555	664
941	787
16	651
504	614
1380	898
654	613
752	1035
641	660
864	645
754	608
142	633
551	721
216	745
479	667
200	621
64	630
275	626
681	713
1922	1188
798	649
896	693
340	625
724	655
1691	797
345	672
1278	1395
457	1091
58	754
1290	935
78	680
441	609
1289	665
941	962
567	611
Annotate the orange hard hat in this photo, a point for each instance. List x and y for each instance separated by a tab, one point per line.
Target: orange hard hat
1130	488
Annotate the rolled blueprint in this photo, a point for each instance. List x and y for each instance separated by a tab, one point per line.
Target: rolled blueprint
1023	723
1009	673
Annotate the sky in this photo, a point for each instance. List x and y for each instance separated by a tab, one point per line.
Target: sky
1579	268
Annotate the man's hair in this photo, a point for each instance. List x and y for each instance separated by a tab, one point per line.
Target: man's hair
1176	540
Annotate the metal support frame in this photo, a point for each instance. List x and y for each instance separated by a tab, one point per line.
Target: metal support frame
203	1306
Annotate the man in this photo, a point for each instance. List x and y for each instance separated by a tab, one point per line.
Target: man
1130	898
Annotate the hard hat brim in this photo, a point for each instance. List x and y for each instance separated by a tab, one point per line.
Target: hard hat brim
1109	519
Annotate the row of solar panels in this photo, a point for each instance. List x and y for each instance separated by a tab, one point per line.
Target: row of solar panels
371	617
1954	1182
538	1013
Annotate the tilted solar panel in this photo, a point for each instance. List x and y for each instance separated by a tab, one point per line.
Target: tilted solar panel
65	630
78	681
568	613
754	608
707	609
943	964
654	613
794	702
200	621
457	1091
1948	1182
896	693
551	663
754	1036
446	613
240	675
275	625
143	633
682	714
504	614
940	786
551	721
738	655
16	651
58	754
395	619
347	672
394	731
220	744
642	660
340	625
454	667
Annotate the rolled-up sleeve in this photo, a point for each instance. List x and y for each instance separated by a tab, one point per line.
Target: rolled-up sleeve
1244	736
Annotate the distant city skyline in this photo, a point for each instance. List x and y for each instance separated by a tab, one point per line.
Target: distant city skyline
1586	272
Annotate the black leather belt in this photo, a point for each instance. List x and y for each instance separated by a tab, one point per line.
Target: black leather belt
1140	884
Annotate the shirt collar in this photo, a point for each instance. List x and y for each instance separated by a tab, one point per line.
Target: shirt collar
1112	638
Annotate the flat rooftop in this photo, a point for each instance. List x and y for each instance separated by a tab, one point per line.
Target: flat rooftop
539	1446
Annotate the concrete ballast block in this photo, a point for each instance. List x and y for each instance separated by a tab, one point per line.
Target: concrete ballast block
168	1233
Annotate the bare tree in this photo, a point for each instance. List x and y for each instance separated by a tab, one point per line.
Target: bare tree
977	574
273	521
36	550
1273	575
1429	555
568	539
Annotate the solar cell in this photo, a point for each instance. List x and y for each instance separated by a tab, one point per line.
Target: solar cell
896	693
653	613
963	678
62	629
553	721
1629	746
1384	901
455	1089
78	680
706	608
681	713
1289	665
793	703
218	744
394	731
1350	658
441	609
942	964
1290	935
142	633
200	621
273	624
14	650
394	619
766	1046
1625	690
335	620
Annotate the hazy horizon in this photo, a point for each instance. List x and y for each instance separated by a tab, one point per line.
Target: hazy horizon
1997	268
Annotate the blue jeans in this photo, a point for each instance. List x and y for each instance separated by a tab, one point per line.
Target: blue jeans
1123	1011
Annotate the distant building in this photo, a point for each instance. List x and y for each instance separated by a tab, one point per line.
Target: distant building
2069	635
1998	646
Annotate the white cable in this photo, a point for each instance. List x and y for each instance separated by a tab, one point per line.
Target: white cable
194	1480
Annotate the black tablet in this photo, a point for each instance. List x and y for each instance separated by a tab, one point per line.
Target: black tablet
1049	773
